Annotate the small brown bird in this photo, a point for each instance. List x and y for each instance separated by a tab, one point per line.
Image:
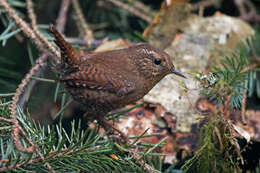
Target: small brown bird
109	80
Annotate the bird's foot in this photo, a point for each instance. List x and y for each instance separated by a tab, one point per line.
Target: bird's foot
124	139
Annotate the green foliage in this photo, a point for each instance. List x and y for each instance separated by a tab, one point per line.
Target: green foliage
72	149
252	48
80	150
236	74
233	76
217	152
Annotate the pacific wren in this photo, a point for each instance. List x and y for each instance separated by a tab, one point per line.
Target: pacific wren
109	80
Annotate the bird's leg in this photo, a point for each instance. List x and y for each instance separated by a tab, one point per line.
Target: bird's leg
101	120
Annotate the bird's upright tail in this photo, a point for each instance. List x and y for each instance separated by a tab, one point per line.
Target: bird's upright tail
68	53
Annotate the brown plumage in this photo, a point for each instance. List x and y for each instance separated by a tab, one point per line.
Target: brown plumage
109	80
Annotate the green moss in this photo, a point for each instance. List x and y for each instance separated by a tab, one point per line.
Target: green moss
218	152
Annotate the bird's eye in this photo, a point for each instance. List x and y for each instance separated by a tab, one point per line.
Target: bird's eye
157	61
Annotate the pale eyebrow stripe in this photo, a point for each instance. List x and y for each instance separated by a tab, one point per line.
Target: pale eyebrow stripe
150	52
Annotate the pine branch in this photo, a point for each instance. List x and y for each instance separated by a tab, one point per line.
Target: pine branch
81	149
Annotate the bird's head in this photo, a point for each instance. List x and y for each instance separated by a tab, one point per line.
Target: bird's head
153	63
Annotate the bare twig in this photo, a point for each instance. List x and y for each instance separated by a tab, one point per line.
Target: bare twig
141	6
225	108
40	63
31	14
132	10
82	22
16	128
247	11
204	4
37	32
251	8
5	119
201	11
240	6
78	41
62	17
254	18
243	108
219	138
248	68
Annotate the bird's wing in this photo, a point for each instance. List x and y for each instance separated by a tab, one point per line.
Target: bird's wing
95	77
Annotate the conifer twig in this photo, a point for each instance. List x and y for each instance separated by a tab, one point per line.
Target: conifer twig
31	15
12	167
51	155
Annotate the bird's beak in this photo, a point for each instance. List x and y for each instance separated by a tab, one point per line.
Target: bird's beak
175	71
